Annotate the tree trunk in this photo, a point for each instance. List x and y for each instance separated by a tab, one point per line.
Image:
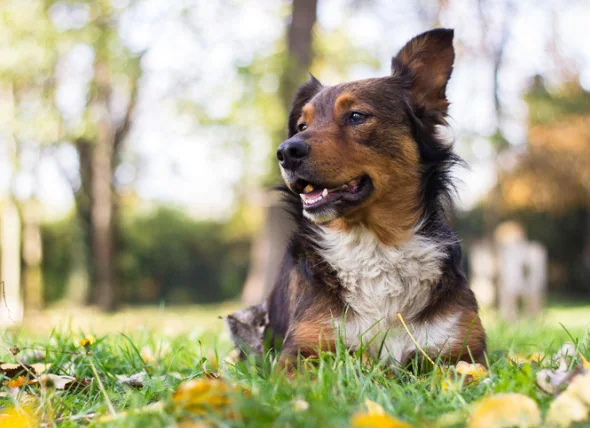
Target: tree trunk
270	243
32	255
101	199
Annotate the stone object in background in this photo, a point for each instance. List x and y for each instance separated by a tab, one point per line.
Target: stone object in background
482	266
522	271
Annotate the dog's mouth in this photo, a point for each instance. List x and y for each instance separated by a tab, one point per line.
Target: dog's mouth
316	196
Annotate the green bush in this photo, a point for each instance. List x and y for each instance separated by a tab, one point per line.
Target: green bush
162	257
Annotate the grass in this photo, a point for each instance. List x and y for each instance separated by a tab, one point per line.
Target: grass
335	388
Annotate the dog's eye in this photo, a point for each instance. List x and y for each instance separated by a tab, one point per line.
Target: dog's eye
301	127
355	118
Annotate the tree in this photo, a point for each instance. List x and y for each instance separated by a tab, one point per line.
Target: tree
269	246
43	36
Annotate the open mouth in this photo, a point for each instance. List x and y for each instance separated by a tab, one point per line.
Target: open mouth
316	196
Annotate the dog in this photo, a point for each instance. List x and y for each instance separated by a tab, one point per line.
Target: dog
369	182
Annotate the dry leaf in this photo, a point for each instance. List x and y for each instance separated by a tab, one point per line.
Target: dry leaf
18	418
19	381
147	355
535	357
62	382
585	362
300	405
572	405
40	368
374	408
565	355
472	372
505	410
200	396
135	380
375	417
15	370
367	420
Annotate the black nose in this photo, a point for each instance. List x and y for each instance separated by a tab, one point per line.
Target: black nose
292	152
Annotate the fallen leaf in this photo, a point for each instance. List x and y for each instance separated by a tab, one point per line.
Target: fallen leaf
18	418
200	396
572	405
40	368
374	408
14	370
585	362
554	381
475	372
535	357
565	355
135	380
375	417
19	381
63	382
299	405
465	372
367	420
505	410
147	355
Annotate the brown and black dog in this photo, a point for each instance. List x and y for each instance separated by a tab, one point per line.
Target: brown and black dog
368	176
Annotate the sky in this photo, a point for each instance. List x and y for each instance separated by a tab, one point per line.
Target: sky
171	160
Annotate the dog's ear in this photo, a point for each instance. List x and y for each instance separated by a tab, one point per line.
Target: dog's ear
427	60
303	95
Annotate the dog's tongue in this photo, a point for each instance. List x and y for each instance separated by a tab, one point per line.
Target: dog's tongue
314	194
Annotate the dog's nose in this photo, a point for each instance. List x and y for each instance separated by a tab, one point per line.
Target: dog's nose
292	152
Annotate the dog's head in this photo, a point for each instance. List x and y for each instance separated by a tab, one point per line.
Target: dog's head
366	151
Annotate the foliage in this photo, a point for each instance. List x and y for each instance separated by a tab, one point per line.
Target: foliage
165	256
187	373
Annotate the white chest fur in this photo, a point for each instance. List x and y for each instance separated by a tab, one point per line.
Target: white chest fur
378	282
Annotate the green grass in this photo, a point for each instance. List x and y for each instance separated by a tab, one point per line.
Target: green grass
335	388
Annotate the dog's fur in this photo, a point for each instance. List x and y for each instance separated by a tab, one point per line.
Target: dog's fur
355	263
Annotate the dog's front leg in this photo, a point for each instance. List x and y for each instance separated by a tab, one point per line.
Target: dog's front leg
307	338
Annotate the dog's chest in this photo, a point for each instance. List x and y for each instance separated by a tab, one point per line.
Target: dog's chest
379	281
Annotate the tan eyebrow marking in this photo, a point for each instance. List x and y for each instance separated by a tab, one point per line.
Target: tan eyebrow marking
343	103
308	114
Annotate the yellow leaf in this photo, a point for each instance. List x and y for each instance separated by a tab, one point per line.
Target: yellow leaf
18	382
476	371
565	410
585	362
200	396
17	418
88	341
368	420
535	357
505	410
572	405
374	408
147	355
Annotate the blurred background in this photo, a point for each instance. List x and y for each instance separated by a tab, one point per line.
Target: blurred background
137	141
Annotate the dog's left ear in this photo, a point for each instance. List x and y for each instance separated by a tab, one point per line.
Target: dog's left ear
427	60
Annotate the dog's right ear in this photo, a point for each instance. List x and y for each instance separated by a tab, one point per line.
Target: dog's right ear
303	95
427	60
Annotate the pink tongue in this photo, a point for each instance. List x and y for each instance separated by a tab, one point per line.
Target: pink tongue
314	194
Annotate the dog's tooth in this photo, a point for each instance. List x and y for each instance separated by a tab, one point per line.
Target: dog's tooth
325	193
302	196
308	188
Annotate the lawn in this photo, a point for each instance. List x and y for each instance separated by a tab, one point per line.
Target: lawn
175	345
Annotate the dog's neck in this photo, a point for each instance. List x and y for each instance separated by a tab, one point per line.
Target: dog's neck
375	275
